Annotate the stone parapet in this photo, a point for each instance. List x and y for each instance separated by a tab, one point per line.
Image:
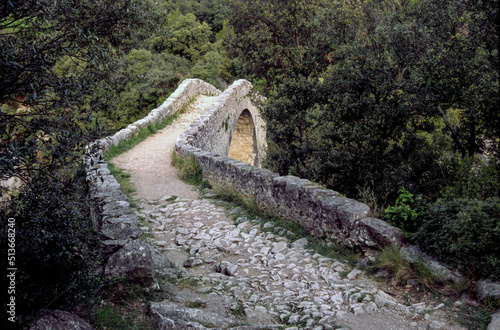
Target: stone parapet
213	131
183	95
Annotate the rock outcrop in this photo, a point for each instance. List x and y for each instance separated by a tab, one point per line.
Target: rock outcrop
60	320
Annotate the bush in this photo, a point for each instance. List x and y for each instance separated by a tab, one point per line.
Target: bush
57	250
465	233
189	171
474	178
404	214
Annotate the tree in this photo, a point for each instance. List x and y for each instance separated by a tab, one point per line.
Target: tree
53	55
406	94
279	40
184	36
35	35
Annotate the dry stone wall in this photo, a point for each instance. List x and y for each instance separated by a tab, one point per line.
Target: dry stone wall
183	95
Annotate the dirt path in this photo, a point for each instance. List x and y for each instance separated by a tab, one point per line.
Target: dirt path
149	162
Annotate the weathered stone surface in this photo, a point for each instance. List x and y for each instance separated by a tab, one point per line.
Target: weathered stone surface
167	315
300	243
116	208
495	321
121	228
486	289
226	268
436	325
413	254
382	233
60	320
133	262
111	246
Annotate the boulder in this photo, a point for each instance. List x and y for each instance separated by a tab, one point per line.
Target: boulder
133	262
486	289
167	315
60	320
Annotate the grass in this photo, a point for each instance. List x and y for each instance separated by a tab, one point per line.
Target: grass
390	259
189	171
126	185
112	317
187	282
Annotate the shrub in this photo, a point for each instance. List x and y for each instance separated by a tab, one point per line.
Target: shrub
405	213
57	250
189	171
465	233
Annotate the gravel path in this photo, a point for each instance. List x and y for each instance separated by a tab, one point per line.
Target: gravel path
248	271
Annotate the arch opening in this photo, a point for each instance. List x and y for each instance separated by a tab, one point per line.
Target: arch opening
242	143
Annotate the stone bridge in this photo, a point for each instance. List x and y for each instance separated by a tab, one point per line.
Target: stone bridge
228	143
232	126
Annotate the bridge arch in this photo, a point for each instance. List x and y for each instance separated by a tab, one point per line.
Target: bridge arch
243	139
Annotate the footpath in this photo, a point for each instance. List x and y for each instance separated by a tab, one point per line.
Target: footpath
243	273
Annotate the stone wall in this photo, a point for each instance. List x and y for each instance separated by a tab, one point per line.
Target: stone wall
183	95
213	131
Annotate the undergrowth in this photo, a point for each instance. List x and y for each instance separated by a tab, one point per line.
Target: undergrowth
189	171
113	317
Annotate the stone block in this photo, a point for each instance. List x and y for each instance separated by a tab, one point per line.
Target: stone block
168	315
486	289
133	262
60	320
121	228
116	208
382	233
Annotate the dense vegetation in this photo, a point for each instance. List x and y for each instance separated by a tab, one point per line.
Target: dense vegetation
392	102
70	72
387	101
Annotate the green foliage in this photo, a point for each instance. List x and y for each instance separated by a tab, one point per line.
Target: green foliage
390	259
465	233
123	178
472	178
57	249
393	98
475	317
189	171
146	80
404	213
57	63
114	318
184	36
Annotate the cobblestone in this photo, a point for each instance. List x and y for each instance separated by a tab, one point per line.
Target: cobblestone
266	273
